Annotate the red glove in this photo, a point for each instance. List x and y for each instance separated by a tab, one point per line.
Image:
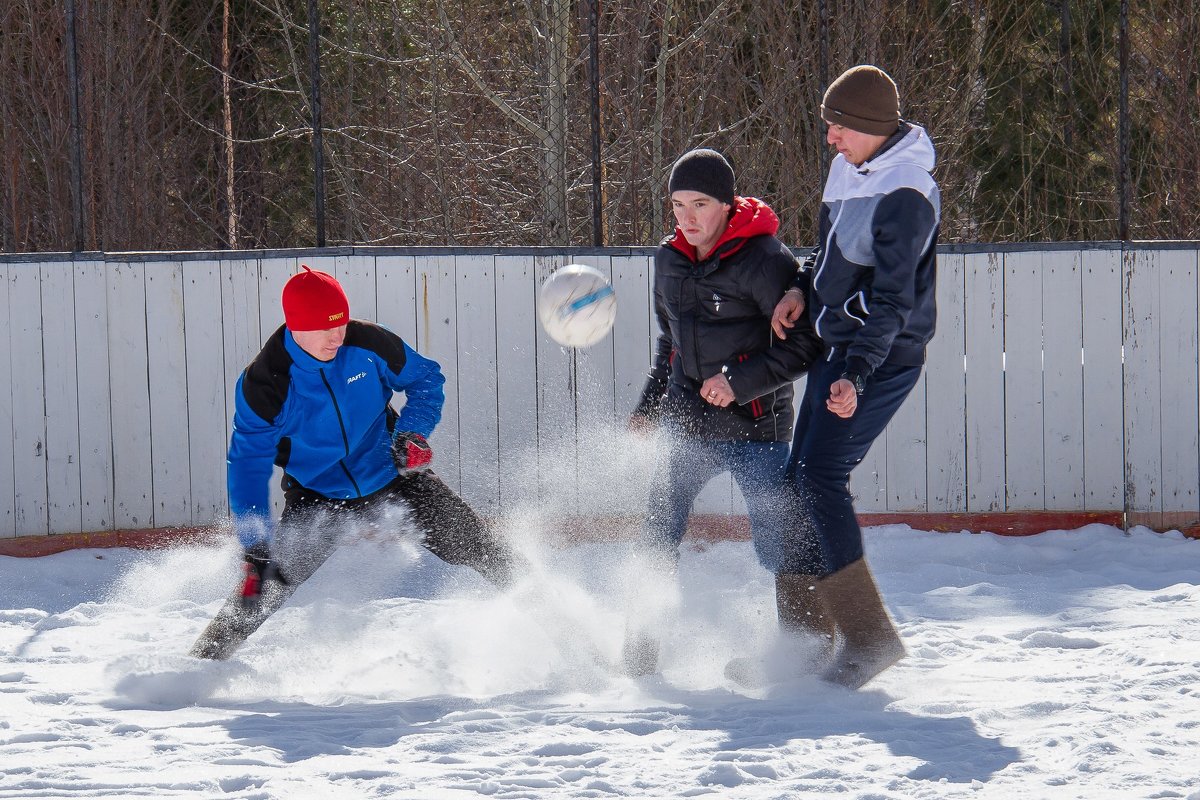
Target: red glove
259	568
410	451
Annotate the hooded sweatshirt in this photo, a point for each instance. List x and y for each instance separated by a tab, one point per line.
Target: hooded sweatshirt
870	283
714	315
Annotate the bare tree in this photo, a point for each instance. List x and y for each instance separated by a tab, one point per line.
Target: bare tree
227	118
468	121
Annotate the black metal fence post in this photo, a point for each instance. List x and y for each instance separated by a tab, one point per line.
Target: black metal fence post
1064	52
594	79
1123	128
314	70
77	221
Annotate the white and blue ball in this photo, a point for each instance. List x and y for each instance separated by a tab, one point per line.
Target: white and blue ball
577	305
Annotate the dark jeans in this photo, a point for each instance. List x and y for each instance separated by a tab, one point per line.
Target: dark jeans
758	469
825	449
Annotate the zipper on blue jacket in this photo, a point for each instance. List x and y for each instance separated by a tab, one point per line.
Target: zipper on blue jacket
342	428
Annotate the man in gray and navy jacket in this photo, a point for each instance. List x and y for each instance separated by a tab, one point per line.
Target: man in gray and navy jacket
316	403
868	289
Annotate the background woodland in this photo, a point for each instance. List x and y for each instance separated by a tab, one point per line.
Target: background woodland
456	122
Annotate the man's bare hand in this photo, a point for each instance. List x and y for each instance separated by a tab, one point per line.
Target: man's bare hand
843	400
787	311
716	390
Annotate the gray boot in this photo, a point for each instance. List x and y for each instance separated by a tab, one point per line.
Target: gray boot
869	641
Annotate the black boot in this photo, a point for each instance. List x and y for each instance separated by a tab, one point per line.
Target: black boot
802	611
807	645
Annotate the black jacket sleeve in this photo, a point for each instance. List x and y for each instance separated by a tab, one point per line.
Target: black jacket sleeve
786	359
660	366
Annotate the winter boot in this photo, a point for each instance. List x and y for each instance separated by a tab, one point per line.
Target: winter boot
869	641
802	611
807	644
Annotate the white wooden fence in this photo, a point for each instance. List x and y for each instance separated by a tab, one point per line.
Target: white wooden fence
1063	378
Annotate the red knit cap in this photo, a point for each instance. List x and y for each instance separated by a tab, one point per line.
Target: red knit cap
314	301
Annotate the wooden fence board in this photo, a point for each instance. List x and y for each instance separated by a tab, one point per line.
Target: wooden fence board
273	273
1179	383
477	388
869	480
631	455
28	398
1062	346
1024	400
946	392
595	370
8	488
905	459
632	339
437	336
95	399
1142	393
1103	443
516	384
208	428
597	435
63	494
557	486
241	339
167	370
396	302
985	382
133	476
357	276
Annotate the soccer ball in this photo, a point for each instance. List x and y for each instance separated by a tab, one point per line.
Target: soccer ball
577	305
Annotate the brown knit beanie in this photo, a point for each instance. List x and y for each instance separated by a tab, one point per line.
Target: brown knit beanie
863	99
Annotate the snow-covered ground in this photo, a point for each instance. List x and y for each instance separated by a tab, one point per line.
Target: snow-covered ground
1065	665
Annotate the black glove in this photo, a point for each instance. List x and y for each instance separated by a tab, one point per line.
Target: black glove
259	568
410	451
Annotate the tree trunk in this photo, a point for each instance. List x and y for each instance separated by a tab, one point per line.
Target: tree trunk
227	120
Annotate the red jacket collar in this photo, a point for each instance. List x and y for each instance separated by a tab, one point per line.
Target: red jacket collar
750	217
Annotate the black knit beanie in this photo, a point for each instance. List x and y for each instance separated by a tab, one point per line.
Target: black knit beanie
863	99
705	171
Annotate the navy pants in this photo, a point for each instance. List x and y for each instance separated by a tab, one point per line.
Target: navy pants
825	449
757	467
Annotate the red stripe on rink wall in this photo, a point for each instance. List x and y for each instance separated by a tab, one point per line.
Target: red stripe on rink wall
702	528
141	539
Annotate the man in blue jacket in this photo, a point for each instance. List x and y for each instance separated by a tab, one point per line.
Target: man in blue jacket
316	402
869	292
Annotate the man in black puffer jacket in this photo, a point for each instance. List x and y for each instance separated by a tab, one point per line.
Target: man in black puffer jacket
721	382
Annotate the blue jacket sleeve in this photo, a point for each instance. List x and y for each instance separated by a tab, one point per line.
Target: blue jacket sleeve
251	459
421	380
